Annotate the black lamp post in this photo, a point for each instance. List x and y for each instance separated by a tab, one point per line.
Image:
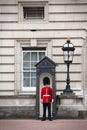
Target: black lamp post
68	52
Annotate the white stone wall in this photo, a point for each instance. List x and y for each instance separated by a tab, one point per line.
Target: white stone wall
64	18
85	75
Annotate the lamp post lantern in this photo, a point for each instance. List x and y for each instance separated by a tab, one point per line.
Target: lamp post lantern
68	52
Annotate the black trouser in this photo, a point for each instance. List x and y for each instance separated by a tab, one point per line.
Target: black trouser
45	105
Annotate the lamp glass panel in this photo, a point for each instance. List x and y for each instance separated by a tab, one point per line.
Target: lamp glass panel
68	56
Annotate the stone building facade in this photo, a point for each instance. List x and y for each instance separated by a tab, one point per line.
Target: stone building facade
30	30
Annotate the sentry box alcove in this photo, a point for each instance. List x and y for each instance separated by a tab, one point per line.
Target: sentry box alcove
44	68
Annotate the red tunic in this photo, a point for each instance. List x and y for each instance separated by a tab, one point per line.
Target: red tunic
47	94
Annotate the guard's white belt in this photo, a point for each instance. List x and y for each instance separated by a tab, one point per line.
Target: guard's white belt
46	95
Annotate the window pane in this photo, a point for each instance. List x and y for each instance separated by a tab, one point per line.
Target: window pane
33	65
41	55
33	74
33	12
33	56
26	74
26	56
33	82
26	65
26	82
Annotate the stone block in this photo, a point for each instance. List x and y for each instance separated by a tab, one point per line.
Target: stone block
17	112
67	112
82	114
68	106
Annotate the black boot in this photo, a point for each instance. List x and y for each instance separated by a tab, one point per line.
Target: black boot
43	119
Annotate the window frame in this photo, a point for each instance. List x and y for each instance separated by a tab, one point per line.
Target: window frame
33	4
29	88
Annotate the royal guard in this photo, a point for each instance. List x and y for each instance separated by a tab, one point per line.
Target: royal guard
47	96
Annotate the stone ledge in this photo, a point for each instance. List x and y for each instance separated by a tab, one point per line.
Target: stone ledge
69	96
17	97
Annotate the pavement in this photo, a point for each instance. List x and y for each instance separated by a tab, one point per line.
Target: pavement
59	124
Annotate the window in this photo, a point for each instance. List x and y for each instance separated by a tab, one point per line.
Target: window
33	12
30	58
